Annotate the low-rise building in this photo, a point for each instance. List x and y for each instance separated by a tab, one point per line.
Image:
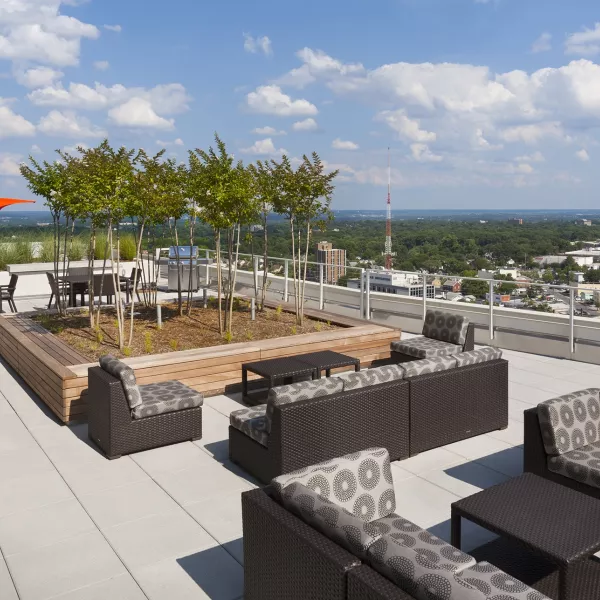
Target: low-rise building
401	284
584	222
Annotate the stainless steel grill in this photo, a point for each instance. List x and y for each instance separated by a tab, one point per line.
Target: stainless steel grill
188	260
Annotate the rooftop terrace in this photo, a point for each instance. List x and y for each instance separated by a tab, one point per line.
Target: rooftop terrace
167	523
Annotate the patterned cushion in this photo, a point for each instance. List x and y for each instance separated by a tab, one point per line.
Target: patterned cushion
445	326
428	365
422	542
166	397
332	520
303	390
360	482
570	422
422	347
477	356
252	422
417	575
494	583
354	381
125	373
582	465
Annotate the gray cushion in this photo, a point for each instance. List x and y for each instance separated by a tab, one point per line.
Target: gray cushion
368	377
361	482
582	465
571	421
252	422
445	326
166	397
495	584
417	574
477	356
332	520
422	542
125	373
422	347
428	365
303	390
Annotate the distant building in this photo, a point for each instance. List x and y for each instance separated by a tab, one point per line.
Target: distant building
516	221
452	286
583	259
499	298
584	222
334	261
400	284
492	274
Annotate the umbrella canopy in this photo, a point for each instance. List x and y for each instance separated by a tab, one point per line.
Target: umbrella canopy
4	202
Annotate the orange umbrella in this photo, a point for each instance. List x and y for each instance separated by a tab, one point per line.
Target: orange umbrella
4	202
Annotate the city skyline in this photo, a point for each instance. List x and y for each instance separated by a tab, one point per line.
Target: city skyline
485	104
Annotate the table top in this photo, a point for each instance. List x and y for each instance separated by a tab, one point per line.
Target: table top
279	367
551	520
327	359
84	277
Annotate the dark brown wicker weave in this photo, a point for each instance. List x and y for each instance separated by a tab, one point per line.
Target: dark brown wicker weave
307	432
366	584
112	428
286	559
398	357
536	460
457	404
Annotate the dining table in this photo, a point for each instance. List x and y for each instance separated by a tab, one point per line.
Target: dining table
77	283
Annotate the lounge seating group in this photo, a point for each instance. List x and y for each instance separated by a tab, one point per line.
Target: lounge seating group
330	531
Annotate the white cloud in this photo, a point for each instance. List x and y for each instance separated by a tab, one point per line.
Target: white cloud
584	43
270	100
138	112
422	153
264	147
35	149
582	155
339	144
305	125
74	149
542	44
12	124
258	44
176	142
407	129
38	77
115	28
69	124
268	130
9	164
531	134
101	65
536	157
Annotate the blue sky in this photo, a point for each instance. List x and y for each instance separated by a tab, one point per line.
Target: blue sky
484	104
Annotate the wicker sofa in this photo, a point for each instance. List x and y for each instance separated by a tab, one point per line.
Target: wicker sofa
407	408
330	531
562	441
124	418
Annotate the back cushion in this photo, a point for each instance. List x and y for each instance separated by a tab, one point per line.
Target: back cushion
445	326
125	373
477	356
428	365
570	422
303	390
330	519
368	377
417	575
360	482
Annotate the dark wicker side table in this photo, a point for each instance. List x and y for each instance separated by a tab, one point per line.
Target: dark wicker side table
551	522
327	360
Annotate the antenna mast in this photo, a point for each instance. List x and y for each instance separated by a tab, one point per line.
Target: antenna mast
388	224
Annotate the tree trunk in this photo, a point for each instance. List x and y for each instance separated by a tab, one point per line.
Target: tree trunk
265	262
91	255
138	260
304	276
293	233
237	253
219	279
179	296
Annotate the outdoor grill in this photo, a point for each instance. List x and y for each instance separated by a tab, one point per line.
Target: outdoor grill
188	259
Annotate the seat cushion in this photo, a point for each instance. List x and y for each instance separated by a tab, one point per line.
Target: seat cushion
445	326
252	422
571	421
125	373
480	355
166	397
422	347
416	574
582	465
360	482
428	365
494	583
302	390
330	519
368	377
424	543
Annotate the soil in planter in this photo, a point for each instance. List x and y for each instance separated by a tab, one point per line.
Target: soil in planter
200	330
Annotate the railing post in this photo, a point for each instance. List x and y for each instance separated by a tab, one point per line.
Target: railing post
286	283
368	298
362	294
207	267
491	317
572	321
424	296
321	298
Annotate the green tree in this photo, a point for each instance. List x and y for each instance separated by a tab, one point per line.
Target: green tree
472	287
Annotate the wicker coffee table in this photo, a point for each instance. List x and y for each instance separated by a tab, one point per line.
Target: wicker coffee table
327	360
549	522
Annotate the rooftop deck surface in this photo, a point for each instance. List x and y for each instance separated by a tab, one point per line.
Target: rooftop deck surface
166	524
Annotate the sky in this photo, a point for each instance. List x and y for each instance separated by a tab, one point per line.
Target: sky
483	104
